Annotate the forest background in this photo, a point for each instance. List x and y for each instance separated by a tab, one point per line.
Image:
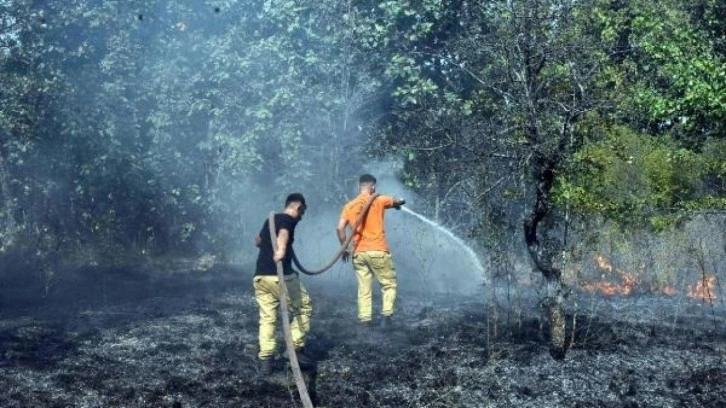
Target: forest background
557	135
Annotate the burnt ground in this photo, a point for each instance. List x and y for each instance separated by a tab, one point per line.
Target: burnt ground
189	340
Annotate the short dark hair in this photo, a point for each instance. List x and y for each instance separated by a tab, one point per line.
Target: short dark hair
295	198
367	178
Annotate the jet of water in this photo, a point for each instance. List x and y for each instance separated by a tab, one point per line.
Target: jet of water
470	252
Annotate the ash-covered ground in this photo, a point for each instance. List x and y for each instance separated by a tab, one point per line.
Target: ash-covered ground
189	340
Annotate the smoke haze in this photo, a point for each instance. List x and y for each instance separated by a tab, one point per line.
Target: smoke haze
426	260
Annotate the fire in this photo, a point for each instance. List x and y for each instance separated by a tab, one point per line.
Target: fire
668	290
627	284
704	289
603	263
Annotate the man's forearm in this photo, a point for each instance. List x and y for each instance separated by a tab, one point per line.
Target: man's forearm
282	244
282	240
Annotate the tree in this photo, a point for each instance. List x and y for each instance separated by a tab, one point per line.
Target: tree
662	129
524	70
27	85
525	95
154	123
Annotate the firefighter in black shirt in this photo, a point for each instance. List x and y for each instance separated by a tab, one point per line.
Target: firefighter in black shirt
267	289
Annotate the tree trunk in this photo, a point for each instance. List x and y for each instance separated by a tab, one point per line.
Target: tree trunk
7	217
556	314
542	257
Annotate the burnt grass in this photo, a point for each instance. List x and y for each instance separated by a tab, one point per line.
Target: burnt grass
189	340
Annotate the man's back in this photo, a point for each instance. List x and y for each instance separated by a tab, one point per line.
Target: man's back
370	234
265	263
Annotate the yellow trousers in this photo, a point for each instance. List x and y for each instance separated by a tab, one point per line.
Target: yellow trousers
267	294
368	264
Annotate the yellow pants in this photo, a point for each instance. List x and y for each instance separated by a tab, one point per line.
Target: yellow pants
368	264
267	294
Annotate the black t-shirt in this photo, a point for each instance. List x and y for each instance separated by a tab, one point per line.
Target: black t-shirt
265	263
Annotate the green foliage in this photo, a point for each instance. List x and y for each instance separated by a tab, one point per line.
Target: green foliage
151	125
158	122
635	179
667	71
666	80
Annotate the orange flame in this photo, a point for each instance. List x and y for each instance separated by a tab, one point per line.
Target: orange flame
657	288
603	263
607	288
704	289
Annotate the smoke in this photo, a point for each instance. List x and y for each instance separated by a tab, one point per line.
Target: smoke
189	129
427	260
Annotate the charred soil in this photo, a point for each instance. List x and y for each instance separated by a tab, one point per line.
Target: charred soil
190	339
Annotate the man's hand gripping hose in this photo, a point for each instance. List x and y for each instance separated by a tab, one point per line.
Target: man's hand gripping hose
299	381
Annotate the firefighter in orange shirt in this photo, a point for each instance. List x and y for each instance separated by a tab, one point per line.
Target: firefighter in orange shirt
370	255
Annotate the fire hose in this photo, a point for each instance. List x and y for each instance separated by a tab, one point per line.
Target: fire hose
343	247
294	363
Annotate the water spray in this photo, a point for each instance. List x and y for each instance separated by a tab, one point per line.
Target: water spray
470	252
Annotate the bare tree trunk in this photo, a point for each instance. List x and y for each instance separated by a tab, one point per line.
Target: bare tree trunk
556	314
543	258
8	226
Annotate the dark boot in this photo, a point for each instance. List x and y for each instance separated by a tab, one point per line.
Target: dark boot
265	366
387	323
364	328
304	359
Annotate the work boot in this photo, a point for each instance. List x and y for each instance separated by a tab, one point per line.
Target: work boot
387	322
265	366
361	328
303	358
364	328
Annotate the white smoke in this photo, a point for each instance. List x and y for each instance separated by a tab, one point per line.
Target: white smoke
428	259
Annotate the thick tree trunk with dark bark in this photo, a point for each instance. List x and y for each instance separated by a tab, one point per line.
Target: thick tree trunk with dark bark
542	257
